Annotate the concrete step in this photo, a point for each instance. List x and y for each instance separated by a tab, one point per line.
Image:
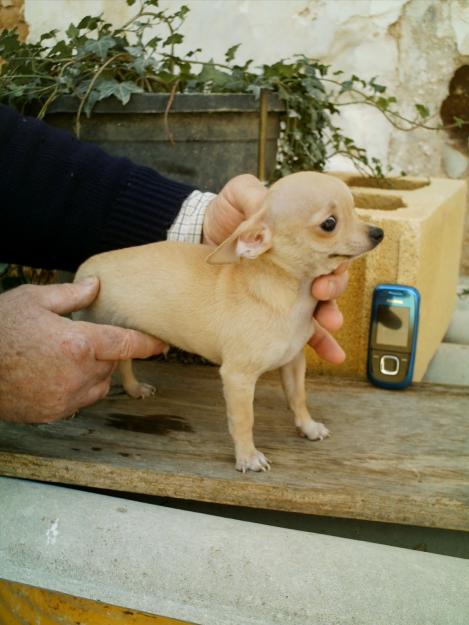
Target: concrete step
450	364
215	571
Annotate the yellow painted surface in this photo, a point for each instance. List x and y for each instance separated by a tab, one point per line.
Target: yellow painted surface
421	248
26	605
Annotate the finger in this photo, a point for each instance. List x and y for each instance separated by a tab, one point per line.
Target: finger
101	370
329	316
246	193
254	198
96	393
66	298
114	343
331	286
326	346
342	268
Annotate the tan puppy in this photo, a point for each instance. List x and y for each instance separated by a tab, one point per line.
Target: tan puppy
247	305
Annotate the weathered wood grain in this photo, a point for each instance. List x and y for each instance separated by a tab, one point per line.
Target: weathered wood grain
21	604
394	456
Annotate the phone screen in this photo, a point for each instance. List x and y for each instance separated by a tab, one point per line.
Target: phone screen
393	326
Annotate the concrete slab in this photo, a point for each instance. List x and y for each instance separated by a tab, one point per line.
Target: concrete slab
216	571
458	329
450	365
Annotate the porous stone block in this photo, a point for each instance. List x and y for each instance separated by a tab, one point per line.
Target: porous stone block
12	16
423	224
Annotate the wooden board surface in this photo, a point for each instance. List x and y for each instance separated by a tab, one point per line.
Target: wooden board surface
21	604
394	456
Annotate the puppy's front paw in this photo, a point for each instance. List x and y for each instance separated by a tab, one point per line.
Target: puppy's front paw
140	390
314	431
255	461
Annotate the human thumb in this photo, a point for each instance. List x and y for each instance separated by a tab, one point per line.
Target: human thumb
66	298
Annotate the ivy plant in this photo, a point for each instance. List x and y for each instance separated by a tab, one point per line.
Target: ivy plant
96	60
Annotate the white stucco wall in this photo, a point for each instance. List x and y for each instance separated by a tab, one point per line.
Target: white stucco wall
412	46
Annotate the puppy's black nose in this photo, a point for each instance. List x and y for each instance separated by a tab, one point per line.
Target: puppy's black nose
376	235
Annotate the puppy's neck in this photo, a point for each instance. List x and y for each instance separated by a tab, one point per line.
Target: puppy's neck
292	266
273	282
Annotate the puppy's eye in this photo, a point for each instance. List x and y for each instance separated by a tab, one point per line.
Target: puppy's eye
329	225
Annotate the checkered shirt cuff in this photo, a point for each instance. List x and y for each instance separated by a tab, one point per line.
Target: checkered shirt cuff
190	220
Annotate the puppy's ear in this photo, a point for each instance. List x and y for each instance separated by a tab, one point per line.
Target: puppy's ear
251	238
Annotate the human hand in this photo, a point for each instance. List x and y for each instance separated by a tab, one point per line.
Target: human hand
327	314
241	197
51	366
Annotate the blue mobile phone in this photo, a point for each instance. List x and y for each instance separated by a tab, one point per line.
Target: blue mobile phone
393	335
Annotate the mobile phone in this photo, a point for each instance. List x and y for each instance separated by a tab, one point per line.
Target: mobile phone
393	335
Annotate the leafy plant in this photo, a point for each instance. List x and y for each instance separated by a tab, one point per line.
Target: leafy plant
96	60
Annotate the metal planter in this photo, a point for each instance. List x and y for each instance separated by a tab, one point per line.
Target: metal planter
200	139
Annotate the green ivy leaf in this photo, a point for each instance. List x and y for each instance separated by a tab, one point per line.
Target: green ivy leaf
459	122
231	53
50	35
422	111
254	89
376	87
60	49
345	86
106	87
173	39
124	90
72	32
191	53
89	22
384	103
152	43
140	65
135	51
91	100
100	47
212	75
183	11
9	43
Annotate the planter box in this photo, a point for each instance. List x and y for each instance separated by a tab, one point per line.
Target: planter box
215	136
423	225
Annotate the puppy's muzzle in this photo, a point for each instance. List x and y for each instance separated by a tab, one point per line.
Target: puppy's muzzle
376	235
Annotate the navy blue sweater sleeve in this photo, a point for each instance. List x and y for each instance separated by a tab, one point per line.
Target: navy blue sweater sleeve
63	200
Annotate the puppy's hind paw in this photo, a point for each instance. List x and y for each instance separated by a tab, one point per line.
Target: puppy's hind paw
255	461
140	390
314	431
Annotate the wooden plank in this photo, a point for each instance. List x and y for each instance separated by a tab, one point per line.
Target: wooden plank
394	456
21	603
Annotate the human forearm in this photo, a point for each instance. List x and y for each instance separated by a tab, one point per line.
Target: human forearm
63	200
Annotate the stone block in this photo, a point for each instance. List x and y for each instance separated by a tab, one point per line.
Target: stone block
423	222
12	16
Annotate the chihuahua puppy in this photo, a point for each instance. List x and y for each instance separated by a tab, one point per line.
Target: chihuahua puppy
245	305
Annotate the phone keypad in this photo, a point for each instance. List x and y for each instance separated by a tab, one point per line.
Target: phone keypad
389	367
